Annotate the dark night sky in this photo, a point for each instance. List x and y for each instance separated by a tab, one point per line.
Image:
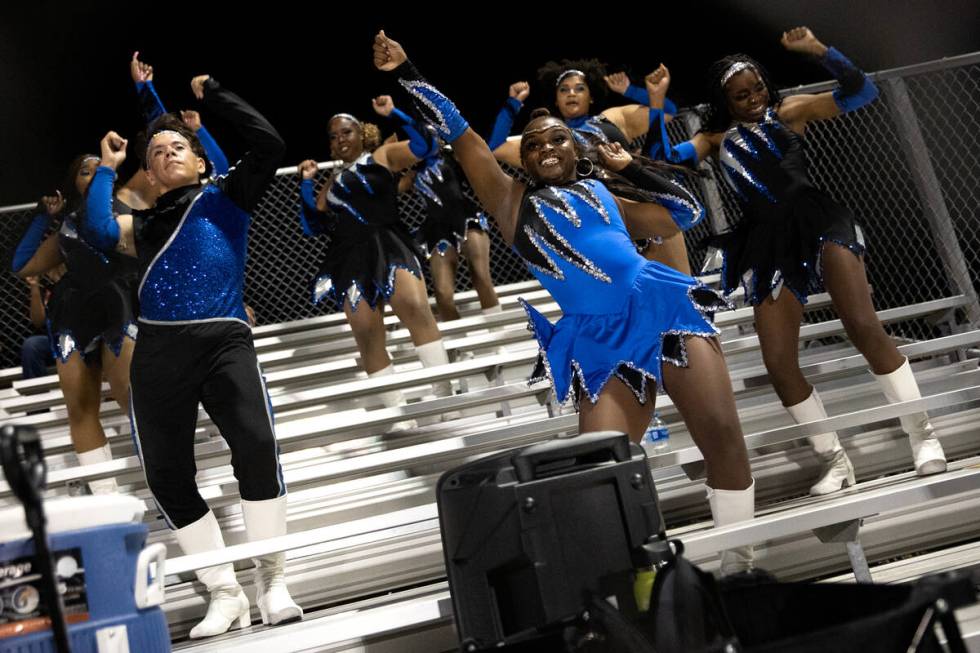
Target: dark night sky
65	82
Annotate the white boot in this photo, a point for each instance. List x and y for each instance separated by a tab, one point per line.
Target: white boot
837	471
229	605
493	310
99	455
433	354
265	519
927	453
392	399
729	507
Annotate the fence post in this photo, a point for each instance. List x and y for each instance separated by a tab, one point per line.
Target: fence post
927	185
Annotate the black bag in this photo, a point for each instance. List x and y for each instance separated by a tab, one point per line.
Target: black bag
529	535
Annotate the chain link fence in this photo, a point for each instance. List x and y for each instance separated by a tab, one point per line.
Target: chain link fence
907	165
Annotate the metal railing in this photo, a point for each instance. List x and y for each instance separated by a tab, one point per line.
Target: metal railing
907	165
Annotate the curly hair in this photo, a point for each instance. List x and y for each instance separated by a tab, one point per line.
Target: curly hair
595	72
718	117
370	133
172	122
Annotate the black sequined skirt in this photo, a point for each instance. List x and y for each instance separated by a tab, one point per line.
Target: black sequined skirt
365	267
782	250
81	318
440	233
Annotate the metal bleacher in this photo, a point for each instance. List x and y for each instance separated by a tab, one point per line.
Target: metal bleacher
364	552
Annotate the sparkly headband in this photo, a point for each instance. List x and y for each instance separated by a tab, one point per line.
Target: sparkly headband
162	131
570	71
736	68
90	157
346	116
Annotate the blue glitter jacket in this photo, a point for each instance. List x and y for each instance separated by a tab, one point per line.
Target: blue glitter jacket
192	245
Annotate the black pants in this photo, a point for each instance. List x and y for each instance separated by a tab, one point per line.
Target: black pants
175	367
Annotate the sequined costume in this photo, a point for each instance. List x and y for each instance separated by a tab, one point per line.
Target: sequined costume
94	301
449	211
195	343
621	314
368	241
786	219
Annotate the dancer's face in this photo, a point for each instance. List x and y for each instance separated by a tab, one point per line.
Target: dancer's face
172	162
747	96
346	142
573	97
84	175
548	151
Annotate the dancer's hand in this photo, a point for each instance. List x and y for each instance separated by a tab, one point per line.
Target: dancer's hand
657	84
113	150
388	53
32	281
53	204
307	169
801	39
191	118
197	86
613	157
383	105
519	91
140	72
618	82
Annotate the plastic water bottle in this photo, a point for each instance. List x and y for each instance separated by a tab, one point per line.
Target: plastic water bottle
657	435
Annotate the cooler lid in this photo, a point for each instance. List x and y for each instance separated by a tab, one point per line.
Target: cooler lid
73	513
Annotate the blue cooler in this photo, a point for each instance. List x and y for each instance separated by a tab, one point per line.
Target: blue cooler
111	586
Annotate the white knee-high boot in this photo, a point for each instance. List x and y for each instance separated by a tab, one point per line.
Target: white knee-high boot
729	507
392	399
229	605
837	471
265	519
99	455
433	354
927	452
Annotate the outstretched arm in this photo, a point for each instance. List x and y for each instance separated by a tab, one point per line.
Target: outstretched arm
100	227
498	192
502	126
620	83
399	155
152	108
854	90
36	254
313	216
665	206
247	180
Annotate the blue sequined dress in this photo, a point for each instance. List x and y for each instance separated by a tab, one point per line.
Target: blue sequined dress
368	241
95	301
622	315
785	218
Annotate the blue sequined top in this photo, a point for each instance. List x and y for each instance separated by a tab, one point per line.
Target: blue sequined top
193	244
574	241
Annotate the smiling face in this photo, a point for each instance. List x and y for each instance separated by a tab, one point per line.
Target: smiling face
548	151
346	140
172	162
573	97
747	96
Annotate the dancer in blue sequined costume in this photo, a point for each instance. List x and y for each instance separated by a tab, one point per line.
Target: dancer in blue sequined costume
371	259
628	323
195	345
579	85
793	238
453	226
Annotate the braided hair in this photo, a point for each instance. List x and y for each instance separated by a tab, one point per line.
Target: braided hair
718	118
